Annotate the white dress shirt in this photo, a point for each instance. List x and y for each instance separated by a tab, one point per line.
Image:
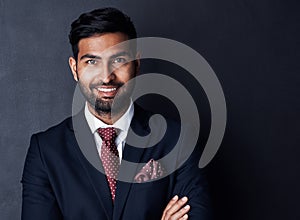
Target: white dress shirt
122	124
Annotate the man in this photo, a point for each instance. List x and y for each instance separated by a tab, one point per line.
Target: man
60	182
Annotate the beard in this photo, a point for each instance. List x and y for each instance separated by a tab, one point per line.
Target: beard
115	105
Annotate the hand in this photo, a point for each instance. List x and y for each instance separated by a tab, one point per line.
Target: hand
175	209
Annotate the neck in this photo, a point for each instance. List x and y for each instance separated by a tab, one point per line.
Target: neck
107	117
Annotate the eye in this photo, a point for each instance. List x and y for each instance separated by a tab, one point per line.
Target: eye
92	62
119	60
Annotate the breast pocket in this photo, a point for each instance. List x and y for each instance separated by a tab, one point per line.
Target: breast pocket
148	199
160	185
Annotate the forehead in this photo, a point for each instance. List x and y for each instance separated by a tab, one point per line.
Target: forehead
97	44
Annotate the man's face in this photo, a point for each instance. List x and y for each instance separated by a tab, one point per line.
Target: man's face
101	69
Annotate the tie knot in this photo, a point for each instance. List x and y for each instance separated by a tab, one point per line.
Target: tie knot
107	134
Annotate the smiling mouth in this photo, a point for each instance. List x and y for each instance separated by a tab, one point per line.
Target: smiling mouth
101	89
107	92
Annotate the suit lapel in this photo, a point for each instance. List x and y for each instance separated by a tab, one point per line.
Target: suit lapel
128	171
123	187
89	158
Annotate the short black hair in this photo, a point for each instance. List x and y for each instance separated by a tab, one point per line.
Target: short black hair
103	20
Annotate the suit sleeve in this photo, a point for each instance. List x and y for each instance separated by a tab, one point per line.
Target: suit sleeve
38	199
190	181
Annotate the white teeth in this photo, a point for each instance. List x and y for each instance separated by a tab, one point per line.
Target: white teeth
106	89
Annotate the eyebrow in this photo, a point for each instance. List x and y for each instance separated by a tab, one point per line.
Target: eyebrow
122	53
91	56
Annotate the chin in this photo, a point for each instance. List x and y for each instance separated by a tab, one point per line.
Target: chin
101	106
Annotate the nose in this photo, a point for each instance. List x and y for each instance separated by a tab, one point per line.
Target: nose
107	74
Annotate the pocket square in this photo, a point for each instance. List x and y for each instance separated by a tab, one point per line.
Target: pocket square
152	170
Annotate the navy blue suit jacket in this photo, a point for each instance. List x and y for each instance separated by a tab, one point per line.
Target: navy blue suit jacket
60	183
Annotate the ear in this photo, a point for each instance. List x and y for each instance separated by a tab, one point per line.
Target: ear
73	67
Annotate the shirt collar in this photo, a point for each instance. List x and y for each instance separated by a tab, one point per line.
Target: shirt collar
122	123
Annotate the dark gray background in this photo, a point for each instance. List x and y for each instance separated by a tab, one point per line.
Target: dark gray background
253	46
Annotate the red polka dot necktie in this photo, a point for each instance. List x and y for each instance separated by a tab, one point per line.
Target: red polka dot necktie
110	157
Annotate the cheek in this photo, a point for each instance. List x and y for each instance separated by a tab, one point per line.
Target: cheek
129	73
85	75
84	79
